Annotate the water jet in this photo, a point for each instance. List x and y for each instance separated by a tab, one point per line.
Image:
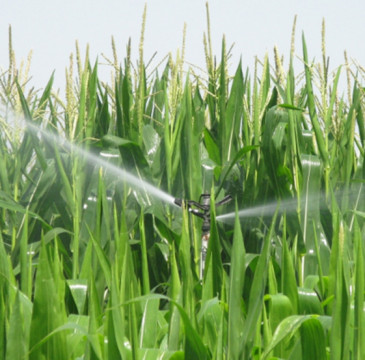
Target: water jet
307	203
124	175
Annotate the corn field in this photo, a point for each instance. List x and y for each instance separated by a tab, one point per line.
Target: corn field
92	267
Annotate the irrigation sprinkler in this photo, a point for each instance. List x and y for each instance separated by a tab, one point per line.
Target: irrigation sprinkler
202	210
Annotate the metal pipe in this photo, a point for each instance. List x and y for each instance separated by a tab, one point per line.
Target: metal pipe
205	201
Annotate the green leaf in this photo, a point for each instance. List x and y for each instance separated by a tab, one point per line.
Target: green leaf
46	93
213	272
312	108
13	206
340	334
274	141
151	141
313	340
149	325
194	347
290	107
78	288
280	307
48	311
174	293
103	259
290	325
233	116
289	284
309	302
255	301
236	158
359	313
116	141
19	326
210	320
310	203
236	282
212	147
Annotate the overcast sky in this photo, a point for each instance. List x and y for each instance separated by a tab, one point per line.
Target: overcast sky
50	28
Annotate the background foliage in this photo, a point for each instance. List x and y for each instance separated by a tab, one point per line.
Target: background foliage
91	268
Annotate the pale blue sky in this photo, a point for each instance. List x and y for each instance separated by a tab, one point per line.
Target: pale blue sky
51	27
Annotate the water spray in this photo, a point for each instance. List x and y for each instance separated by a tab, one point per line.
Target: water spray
202	210
123	174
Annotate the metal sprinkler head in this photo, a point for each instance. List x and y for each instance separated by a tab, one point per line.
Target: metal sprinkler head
202	208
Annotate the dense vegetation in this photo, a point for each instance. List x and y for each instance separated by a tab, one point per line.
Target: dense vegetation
91	268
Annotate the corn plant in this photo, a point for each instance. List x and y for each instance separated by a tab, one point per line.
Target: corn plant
92	267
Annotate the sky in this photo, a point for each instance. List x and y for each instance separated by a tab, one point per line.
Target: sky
50	28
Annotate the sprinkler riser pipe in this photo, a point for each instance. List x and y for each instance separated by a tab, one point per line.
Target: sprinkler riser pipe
203	253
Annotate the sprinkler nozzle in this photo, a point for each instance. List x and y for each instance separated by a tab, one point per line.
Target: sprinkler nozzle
190	204
178	202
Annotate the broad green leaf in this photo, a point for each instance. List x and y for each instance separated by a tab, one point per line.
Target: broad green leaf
145	272
152	354
280	307
190	148
130	151
310	207
78	289
290	107
233	117
103	260
255	301
359	313
288	280
13	206
174	293
185	264
340	334
25	261
224	121
151	141
313	340
312	108
212	147
48	312
213	272
119	347
91	103
309	302
96	339
46	93
273	148
235	302
210	319
149	324
77	338
194	347
290	325
18	333
236	158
